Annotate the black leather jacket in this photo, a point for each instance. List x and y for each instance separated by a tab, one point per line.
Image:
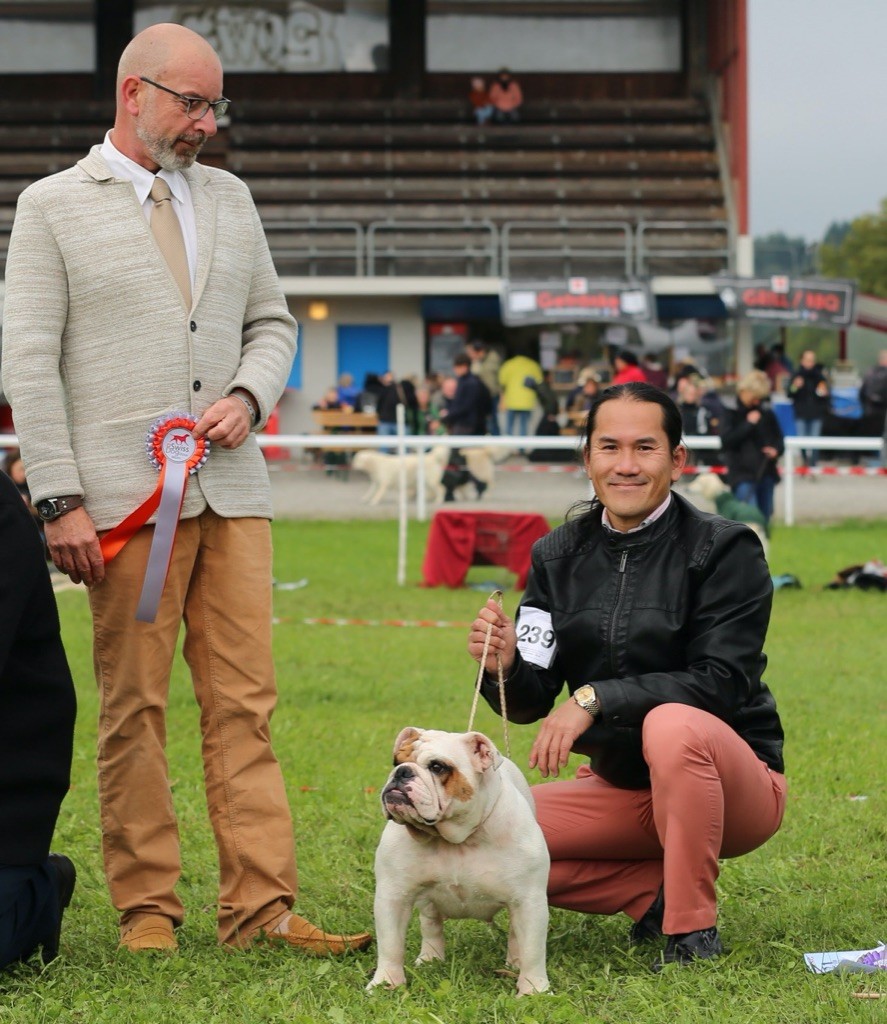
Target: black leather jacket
676	613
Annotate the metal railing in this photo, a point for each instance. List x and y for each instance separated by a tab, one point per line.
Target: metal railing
469	247
457	247
471	243
313	245
423	442
646	251
573	243
795	445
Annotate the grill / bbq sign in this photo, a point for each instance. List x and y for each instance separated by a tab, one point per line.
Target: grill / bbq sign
782	299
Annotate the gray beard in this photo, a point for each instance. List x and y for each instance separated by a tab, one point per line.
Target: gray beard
161	150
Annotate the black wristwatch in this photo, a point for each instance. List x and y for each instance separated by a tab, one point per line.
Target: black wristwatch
52	508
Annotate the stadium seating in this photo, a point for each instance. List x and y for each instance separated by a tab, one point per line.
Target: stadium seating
370	186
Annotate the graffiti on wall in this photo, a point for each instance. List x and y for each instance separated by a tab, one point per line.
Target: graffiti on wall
291	37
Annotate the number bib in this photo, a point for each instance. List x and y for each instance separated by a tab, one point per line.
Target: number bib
535	636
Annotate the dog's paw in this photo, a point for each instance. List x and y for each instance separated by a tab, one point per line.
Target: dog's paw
532	986
525	986
427	956
388	980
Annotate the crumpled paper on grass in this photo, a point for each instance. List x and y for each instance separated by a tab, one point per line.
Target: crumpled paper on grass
865	961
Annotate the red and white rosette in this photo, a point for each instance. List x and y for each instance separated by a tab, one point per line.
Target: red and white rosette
176	453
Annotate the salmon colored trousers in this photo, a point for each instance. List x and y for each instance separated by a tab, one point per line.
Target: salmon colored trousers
219	583
710	797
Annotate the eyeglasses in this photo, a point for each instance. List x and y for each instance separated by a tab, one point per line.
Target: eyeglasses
196	107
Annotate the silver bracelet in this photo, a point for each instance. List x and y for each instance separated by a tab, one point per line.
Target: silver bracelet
250	408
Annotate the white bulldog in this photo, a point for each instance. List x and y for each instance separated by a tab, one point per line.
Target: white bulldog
462	840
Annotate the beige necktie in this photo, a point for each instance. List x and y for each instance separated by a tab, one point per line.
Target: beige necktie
168	234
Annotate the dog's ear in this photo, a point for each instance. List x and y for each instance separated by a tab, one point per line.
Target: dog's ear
483	751
403	745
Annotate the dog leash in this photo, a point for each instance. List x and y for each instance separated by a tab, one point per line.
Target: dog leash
495	596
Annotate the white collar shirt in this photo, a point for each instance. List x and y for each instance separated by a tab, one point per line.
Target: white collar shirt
142	180
651	518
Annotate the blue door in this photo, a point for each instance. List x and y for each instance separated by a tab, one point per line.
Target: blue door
362	349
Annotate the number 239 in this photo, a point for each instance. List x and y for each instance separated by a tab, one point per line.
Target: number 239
535	635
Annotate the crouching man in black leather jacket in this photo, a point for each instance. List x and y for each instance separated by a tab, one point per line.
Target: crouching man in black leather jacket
654	614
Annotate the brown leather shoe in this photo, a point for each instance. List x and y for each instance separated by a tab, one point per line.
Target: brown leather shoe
310	939
148	931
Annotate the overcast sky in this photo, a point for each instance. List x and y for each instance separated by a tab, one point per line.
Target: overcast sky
817	113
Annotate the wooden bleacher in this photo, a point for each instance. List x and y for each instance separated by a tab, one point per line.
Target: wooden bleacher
37	139
370	163
347	187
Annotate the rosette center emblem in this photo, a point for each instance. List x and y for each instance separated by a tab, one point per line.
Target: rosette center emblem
171	439
179	445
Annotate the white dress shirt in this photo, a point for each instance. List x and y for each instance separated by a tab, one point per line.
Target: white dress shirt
142	179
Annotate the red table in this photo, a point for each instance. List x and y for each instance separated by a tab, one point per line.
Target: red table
458	540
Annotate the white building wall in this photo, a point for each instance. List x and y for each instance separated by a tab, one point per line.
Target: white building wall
469	42
34	47
317	342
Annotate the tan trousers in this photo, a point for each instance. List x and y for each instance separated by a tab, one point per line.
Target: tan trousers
220	583
710	797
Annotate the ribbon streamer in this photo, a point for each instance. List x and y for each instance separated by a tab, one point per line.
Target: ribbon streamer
173	449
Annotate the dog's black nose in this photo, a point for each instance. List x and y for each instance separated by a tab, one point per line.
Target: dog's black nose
403	771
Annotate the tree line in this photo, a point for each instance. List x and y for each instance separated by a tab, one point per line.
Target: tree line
850	249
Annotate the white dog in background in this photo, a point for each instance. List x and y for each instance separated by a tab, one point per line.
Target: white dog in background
383	469
481	463
478	462
713	489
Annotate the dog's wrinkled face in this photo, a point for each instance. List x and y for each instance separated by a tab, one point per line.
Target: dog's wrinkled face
436	776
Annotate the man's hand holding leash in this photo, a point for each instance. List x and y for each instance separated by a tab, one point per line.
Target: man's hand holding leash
503	638
560	730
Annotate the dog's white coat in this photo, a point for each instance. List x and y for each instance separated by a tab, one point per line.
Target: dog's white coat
383	469
462	841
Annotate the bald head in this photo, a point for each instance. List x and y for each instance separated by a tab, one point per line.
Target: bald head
160	69
160	50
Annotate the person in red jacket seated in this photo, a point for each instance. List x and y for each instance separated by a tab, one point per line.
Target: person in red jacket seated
506	97
627	369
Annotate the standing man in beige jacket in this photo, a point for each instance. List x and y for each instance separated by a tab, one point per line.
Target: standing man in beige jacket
105	333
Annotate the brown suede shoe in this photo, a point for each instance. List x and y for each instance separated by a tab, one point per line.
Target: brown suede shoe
310	939
148	931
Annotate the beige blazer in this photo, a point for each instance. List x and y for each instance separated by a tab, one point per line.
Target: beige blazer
97	342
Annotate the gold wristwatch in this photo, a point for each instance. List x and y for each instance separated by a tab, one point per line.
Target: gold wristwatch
586	698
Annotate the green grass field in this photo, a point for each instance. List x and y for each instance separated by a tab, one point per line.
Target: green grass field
345	692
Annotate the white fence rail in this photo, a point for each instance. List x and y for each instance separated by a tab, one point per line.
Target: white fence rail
421	442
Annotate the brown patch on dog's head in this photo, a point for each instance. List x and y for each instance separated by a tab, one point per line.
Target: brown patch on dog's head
458	787
405	744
